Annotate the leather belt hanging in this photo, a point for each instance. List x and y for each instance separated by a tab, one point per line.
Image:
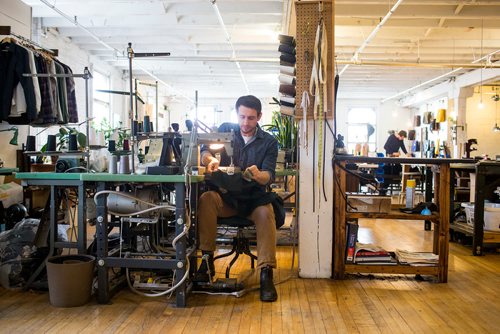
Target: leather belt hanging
319	68
318	88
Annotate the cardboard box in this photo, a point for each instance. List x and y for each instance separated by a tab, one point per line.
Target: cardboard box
11	193
369	204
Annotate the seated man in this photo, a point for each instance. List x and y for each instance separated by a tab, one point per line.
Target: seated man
255	152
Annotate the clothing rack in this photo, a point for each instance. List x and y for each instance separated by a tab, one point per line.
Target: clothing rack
86	75
131	54
6	30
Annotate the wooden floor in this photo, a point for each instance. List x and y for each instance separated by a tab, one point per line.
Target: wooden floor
468	303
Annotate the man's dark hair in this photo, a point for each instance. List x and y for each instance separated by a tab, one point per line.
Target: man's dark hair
175	126
249	101
402	133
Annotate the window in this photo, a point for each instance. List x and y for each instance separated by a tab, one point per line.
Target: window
361	121
206	114
102	101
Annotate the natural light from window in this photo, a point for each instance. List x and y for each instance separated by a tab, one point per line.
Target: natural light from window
358	121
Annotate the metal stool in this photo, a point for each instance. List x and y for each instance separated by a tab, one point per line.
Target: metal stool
241	242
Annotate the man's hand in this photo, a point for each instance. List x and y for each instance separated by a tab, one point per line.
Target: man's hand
253	173
213	165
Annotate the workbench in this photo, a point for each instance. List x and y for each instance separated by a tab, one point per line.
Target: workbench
105	260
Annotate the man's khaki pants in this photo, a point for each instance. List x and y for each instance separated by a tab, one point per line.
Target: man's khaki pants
211	206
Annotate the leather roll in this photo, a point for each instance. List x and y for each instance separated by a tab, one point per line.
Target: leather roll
285	48
287	90
288	58
286	39
286	79
288	70
287	104
288	99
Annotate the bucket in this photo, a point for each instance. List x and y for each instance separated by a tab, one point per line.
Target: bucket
70	279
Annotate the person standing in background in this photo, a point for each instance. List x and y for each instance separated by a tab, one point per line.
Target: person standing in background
394	143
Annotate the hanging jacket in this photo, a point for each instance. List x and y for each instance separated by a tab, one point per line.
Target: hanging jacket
14	62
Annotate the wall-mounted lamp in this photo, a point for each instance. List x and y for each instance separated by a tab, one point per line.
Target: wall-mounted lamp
13	141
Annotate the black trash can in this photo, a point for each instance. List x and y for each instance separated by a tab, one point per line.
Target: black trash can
70	279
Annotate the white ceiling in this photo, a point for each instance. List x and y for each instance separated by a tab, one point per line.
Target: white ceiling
419	31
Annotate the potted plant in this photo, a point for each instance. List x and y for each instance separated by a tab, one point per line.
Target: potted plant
285	130
105	127
63	139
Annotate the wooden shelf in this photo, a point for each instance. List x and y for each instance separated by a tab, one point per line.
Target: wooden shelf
392	269
441	219
393	214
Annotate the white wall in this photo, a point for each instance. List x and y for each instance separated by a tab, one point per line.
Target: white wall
480	122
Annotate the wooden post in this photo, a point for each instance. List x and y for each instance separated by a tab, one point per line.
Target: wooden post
444	221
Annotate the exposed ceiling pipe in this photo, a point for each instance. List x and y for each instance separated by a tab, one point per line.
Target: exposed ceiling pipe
488	56
74	21
225	59
372	35
228	38
403	64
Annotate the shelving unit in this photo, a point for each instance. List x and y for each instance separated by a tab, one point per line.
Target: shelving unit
441	220
487	179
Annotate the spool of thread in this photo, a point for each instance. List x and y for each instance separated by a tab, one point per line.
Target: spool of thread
101	141
113	165
135	128
147	124
124	164
140	127
51	143
31	143
126	145
111	145
73	144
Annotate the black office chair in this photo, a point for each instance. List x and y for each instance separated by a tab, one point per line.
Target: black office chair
241	242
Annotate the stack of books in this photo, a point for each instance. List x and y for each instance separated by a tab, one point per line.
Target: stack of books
372	255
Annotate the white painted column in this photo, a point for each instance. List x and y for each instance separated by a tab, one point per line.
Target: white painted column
315	217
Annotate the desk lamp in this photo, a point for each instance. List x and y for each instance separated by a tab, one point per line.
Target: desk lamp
13	141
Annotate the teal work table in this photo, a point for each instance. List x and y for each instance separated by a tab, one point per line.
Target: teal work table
51	176
106	177
8	171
